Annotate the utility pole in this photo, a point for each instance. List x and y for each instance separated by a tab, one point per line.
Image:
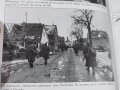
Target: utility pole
26	15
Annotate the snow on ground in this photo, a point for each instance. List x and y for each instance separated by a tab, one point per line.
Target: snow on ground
11	71
56	70
104	66
103	59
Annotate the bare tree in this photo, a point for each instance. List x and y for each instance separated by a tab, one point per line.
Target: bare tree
84	17
77	31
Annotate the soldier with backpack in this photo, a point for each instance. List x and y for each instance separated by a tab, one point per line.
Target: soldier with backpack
45	52
90	56
30	54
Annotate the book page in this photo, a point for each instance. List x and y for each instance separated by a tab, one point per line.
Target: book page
57	44
116	22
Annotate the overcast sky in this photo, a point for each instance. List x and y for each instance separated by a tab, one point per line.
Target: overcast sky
49	16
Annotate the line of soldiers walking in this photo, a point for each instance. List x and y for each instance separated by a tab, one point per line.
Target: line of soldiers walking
31	52
88	52
89	55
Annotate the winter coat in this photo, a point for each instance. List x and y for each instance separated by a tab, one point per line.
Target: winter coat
45	52
30	54
90	56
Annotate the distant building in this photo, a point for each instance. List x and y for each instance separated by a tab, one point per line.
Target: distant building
32	30
52	36
68	42
28	32
22	34
25	33
61	40
100	39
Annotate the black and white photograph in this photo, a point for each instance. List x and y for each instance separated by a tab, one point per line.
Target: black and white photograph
51	45
101	2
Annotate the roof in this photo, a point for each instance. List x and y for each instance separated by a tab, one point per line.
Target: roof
32	29
51	29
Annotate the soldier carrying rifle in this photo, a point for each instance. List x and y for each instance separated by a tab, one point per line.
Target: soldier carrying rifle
31	53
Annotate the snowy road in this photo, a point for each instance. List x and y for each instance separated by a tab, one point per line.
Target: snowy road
63	67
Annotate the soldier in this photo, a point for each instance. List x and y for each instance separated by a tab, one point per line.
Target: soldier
30	54
90	56
11	49
45	52
62	47
76	48
66	47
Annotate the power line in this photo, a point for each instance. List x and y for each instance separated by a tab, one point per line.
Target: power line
26	15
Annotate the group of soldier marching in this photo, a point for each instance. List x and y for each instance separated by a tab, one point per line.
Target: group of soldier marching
88	52
31	52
